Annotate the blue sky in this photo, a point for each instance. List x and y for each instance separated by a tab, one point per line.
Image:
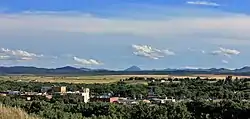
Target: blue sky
116	34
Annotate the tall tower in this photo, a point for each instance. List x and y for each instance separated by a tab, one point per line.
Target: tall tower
85	94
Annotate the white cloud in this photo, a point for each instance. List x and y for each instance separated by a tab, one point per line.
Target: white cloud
4	57
206	3
18	55
86	62
167	52
203	51
224	61
150	52
189	67
230	25
225	52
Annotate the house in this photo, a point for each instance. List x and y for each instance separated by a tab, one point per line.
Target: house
28	98
32	93
46	89
48	96
3	93
163	81
170	100
14	92
146	101
104	99
84	93
59	89
162	101
130	102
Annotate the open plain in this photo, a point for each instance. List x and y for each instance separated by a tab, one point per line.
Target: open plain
100	78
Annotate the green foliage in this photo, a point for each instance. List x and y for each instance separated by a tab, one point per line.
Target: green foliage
179	110
224	99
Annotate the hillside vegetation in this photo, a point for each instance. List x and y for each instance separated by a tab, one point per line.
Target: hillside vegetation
13	113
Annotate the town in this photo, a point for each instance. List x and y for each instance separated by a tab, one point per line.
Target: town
132	95
55	91
50	92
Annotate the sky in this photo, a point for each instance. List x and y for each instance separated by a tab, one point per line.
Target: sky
116	34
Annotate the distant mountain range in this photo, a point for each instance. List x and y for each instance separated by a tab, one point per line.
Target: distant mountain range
133	68
68	70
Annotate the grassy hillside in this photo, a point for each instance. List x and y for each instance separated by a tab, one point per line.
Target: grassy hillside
13	113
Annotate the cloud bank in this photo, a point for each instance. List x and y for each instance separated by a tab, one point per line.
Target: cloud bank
150	52
225	52
81	61
17	55
206	3
229	25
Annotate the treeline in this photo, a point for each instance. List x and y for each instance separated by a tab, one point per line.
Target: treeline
198	99
238	89
185	89
182	110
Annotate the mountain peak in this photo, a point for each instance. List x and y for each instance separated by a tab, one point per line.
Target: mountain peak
133	68
244	69
67	67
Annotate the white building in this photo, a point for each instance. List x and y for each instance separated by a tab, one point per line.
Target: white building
85	95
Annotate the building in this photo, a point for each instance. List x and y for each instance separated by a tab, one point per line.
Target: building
151	91
162	101
104	99
59	89
28	98
126	101
3	93
146	101
14	92
85	95
163	81
46	89
31	93
48	96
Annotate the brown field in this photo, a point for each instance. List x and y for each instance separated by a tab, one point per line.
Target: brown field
13	113
100	79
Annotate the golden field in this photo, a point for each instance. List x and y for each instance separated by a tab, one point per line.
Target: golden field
99	79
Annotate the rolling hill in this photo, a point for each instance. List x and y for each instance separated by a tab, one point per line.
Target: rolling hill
68	70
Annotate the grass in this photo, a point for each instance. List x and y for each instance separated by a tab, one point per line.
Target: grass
66	79
13	113
98	79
